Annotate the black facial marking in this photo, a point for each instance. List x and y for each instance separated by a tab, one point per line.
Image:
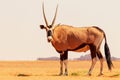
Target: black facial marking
50	26
64	56
49	33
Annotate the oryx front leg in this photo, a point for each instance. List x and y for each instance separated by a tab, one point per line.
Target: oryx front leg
61	66
64	60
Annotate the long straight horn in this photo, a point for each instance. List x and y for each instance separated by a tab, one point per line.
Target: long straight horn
54	16
44	15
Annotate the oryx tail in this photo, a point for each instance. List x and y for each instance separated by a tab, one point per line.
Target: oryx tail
107	54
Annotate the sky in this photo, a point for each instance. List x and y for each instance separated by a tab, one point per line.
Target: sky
22	39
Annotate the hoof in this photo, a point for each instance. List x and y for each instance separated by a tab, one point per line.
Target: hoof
60	74
100	74
88	74
65	74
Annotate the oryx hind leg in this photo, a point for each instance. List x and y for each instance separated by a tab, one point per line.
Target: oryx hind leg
100	55
101	62
94	59
64	60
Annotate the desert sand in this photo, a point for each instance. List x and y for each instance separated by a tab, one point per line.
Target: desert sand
49	70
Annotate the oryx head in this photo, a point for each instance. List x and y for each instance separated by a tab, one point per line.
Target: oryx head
48	27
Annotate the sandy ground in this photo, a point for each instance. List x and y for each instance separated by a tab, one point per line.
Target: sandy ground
48	70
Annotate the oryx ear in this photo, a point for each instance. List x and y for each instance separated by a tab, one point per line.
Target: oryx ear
42	26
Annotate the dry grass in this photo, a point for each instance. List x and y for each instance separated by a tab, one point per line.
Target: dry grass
48	70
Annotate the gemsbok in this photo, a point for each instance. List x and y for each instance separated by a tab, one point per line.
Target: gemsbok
66	38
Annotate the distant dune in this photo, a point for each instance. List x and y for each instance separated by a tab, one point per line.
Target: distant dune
88	57
49	58
85	57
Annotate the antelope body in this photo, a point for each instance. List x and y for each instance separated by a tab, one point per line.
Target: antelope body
66	38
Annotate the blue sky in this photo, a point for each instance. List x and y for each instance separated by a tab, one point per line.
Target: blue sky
22	39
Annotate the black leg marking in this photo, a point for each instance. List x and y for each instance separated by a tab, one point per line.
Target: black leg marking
99	55
64	56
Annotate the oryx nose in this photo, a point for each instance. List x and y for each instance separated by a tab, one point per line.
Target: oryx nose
49	38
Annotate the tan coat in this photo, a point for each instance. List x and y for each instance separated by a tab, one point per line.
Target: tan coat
69	38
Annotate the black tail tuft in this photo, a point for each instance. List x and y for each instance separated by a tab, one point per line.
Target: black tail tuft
108	56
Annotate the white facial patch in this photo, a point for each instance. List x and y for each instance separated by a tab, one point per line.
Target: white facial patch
49	38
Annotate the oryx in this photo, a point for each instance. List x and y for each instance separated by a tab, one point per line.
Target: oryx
66	38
